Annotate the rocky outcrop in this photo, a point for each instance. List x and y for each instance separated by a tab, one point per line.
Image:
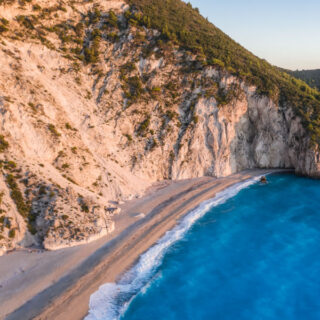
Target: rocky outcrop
84	133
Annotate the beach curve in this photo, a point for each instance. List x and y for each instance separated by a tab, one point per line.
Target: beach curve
70	294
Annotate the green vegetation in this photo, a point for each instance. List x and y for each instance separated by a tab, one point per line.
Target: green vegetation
84	207
94	16
53	130
42	190
112	19
27	21
3	28
1	210
4	145
91	53
156	90
182	25
2	219
113	37
9	165
127	68
36	7
311	77
224	96
16	196
69	179
143	127
195	119
132	88
129	137
32	106
3	25
65	166
68	126
12	233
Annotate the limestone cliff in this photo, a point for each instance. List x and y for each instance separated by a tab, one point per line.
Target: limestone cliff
92	113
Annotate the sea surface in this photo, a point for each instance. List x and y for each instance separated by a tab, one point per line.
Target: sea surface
251	253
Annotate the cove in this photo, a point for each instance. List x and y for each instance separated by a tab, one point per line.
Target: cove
254	257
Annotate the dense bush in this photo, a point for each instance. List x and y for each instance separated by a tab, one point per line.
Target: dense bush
53	130
311	77
132	88
112	19
94	16
12	233
127	68
143	127
113	36
3	28
4	25
26	21
16	196
36	7
4	145
84	207
2	2
91	53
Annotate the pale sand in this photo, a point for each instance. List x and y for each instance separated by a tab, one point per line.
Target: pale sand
57	285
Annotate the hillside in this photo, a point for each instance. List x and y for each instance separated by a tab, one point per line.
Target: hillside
311	77
184	25
101	99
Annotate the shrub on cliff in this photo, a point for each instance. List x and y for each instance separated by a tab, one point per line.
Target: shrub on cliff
3	28
4	145
4	25
17	196
53	130
143	127
112	19
12	233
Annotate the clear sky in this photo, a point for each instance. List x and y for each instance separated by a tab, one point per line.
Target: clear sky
284	32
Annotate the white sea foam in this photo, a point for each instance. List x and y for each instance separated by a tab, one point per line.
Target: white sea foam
112	299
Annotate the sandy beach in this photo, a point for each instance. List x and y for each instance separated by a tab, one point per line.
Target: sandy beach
58	284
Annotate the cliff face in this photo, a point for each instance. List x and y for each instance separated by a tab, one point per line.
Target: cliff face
79	136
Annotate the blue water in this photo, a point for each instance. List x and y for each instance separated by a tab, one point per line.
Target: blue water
257	256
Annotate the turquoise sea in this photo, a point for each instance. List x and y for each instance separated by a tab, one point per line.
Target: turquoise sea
253	252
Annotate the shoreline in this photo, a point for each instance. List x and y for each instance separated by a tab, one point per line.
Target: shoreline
68	297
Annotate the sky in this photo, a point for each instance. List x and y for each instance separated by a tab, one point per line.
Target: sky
284	32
